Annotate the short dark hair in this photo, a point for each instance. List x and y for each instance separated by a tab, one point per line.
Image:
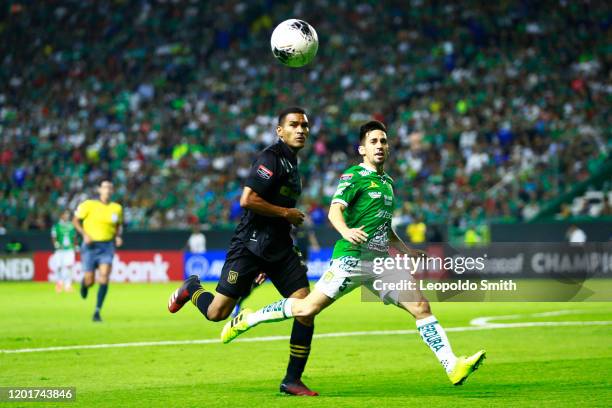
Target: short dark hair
370	126
285	112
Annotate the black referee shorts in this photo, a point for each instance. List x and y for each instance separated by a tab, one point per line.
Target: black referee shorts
241	267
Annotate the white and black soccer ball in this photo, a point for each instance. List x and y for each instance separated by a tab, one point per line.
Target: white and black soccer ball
294	43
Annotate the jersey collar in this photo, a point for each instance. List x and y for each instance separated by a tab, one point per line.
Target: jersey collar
371	169
287	150
102	202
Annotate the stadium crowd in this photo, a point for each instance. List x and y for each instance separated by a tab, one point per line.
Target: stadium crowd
493	108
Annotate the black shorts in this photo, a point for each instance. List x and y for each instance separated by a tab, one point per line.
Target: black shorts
241	267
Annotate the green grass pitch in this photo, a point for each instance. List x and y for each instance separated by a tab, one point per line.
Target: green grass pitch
553	365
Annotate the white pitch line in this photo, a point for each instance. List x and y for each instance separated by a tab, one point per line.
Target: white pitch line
317	336
487	320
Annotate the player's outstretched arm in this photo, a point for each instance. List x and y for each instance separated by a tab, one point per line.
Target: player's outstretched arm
250	200
397	243
336	217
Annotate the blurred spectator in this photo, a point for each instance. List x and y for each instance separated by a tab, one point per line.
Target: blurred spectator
417	231
317	215
14	246
575	235
565	212
471	237
197	241
499	101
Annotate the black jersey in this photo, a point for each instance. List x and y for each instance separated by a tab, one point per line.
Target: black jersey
274	176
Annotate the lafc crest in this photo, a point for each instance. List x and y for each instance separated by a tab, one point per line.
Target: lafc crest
232	277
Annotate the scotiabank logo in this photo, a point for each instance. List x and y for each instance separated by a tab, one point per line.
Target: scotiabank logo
154	270
128	266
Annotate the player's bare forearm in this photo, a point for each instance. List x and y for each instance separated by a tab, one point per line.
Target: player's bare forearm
353	235
257	204
336	217
118	235
397	243
119	231
250	200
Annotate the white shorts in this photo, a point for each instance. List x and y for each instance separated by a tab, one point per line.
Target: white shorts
347	272
64	258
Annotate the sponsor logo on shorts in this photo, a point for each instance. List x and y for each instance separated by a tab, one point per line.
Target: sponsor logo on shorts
264	172
329	275
232	277
348	263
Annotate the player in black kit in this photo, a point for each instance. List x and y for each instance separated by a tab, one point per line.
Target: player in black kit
262	243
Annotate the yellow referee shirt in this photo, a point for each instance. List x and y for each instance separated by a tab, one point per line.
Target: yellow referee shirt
100	220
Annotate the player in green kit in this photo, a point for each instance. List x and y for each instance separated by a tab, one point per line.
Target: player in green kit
64	237
361	212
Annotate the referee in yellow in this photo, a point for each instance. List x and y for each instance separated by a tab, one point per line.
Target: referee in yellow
100	223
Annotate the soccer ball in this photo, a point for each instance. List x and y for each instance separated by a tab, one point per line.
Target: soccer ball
294	43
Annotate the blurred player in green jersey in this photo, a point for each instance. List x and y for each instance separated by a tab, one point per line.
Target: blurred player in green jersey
64	238
361	211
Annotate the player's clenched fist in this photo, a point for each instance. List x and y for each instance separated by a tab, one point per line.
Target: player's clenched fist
356	235
295	216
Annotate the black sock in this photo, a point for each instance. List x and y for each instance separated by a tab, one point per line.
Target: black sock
299	349
202	299
101	295
84	289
